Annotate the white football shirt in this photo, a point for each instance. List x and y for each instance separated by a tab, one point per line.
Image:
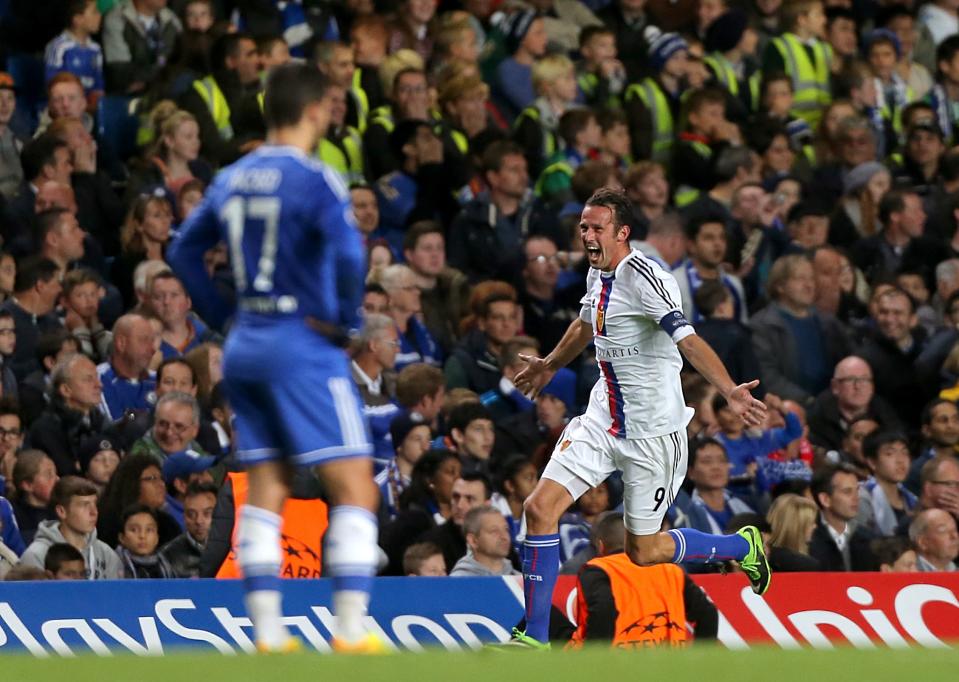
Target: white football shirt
637	319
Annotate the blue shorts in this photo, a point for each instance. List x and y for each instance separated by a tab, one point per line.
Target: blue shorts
292	396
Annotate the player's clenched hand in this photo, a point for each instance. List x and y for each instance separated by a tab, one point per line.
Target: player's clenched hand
741	401
532	378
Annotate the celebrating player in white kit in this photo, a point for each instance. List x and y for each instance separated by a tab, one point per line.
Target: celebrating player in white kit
636	419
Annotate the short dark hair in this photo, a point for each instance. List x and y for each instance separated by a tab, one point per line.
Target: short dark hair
45	222
80	276
198	487
695	224
494	154
39	152
463	415
510	466
926	417
290	89
69	487
888	550
590	32
175	360
573	122
133	510
946	51
32	270
874	442
590	176
50	343
698	444
61	552
700	98
474	476
226	46
419	229
710	295
417	553
822	479
893	201
731	159
617	203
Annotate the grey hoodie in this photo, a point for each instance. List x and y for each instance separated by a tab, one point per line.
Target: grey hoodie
469	566
102	562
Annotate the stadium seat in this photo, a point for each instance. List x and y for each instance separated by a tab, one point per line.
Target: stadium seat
117	124
27	73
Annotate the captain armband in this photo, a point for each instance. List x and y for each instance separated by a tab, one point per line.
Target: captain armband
676	325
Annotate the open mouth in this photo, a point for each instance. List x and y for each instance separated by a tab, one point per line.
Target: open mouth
593	251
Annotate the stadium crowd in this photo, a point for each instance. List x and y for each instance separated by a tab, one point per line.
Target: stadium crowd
792	163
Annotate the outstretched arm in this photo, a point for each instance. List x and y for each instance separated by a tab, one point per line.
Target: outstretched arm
538	371
707	363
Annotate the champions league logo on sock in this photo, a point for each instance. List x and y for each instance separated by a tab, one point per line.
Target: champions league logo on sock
299	559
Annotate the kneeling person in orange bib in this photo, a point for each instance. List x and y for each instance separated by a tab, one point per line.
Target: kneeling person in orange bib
637	606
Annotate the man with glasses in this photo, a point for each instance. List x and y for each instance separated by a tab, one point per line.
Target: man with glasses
547	311
11	439
175	428
851	395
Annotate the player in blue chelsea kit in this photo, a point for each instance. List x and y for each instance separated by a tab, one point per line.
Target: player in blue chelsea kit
298	265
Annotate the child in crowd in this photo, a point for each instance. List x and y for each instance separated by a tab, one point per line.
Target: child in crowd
581	136
615	145
885	505
34	476
575	525
524	40
76	52
694	155
601	76
744	448
65	562
516	478
424	559
537	126
139	539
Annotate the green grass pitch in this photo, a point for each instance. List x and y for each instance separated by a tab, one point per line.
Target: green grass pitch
703	663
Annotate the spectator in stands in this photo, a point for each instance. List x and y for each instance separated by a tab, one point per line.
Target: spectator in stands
375	353
706	244
903	220
10	538
894	352
647	187
424	559
8	341
488	540
42	159
474	363
80	301
536	129
63	560
365	209
34	477
411	438
144	237
795	346
710	505
940	431
425	504
576	524
524	40
547	311
792	520
183	552
895	555
470	426
174	159
73	414
11	171
138	40
730	338
182	329
217	99
505	399
443	290
884	502
516	476
933	533
939	486
75	51
59	237
138	480
464	99
138	544
534	432
66	100
851	395
75	502
421	391
180	470
508	208
416	344
471	490
128	384
36	290
11	439
99	459
837	543
176	425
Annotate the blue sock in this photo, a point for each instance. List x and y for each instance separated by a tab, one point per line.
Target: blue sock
696	547
540	569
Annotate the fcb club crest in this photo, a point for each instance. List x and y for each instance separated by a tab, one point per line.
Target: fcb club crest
600	320
566	444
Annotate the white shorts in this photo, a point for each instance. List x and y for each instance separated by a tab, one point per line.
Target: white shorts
653	469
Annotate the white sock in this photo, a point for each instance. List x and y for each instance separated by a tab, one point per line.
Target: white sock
351	557
259	557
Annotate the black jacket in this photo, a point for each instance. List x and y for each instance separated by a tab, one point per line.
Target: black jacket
901	379
472	365
827	428
474	245
59	431
824	550
28	330
183	555
782	560
732	342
